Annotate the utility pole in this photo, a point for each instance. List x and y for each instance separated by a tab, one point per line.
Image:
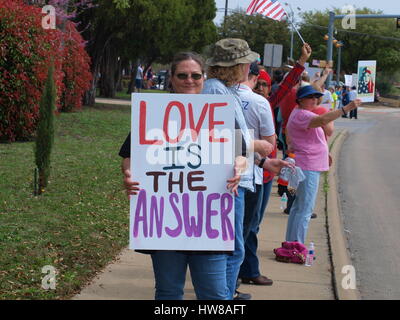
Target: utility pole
339	45
225	15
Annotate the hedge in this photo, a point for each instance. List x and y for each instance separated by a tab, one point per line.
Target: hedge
26	50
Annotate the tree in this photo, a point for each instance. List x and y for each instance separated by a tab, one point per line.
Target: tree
45	131
256	30
121	33
373	39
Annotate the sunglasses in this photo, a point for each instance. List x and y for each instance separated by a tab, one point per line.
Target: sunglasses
184	76
262	84
312	96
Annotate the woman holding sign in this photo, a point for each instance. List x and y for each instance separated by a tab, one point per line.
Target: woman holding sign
208	269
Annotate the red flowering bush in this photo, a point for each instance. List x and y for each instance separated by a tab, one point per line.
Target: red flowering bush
76	68
26	51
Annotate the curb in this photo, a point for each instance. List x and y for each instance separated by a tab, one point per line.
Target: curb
340	255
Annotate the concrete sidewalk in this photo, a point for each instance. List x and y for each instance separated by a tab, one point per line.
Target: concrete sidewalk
131	275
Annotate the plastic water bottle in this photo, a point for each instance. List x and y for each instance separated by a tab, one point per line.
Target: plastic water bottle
310	255
284	200
285	171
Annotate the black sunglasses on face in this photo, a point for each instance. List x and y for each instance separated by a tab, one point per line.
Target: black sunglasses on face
184	76
262	84
312	96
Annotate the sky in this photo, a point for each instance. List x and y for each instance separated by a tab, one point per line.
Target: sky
387	6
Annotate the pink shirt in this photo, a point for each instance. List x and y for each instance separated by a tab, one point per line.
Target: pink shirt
308	144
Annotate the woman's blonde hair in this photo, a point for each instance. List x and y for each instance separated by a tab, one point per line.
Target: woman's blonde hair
229	75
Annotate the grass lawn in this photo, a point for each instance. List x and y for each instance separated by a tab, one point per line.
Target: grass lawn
123	95
80	223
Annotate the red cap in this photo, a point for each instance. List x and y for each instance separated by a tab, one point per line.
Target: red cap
264	76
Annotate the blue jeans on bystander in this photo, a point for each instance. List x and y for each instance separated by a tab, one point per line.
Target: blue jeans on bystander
303	207
250	266
236	258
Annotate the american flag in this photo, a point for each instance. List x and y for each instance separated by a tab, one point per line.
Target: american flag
269	8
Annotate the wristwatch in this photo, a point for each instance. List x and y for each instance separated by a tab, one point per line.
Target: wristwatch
261	164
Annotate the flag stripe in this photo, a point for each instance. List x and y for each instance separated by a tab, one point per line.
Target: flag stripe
250	9
261	4
278	14
268	8
271	11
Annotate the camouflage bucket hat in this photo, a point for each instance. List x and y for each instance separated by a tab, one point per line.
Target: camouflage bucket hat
230	52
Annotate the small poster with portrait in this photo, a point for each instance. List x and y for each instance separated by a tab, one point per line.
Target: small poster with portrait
366	80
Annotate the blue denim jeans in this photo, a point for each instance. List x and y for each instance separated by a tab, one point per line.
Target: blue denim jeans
236	258
250	266
208	272
303	207
252	204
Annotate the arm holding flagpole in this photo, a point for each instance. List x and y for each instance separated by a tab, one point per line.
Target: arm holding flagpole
305	54
292	78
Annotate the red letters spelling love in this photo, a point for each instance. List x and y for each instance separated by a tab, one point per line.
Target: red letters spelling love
194	127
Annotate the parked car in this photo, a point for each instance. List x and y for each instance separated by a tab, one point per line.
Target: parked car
160	77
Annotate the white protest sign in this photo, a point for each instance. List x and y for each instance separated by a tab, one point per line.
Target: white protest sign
182	148
354	80
348	80
314	73
366	81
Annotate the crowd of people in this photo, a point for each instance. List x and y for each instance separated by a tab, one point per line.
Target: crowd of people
305	123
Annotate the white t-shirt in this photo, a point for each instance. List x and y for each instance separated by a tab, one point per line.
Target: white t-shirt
352	95
259	119
327	99
139	73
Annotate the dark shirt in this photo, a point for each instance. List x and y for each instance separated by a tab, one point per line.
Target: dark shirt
125	151
345	98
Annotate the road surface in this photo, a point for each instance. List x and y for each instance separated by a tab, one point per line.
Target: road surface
369	189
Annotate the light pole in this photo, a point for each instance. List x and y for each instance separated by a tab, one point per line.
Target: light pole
225	15
291	16
339	45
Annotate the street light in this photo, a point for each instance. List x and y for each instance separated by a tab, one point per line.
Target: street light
338	44
225	15
291	16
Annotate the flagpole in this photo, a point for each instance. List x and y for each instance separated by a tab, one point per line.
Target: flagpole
294	27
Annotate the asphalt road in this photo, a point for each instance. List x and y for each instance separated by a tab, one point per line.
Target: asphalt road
369	189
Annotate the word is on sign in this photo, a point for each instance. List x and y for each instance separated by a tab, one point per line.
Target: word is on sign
182	154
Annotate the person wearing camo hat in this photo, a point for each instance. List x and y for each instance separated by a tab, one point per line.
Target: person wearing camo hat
227	68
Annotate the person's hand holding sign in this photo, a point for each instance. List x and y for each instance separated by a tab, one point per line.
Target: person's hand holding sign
240	167
131	187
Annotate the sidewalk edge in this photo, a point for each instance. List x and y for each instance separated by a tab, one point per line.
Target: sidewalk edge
340	254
